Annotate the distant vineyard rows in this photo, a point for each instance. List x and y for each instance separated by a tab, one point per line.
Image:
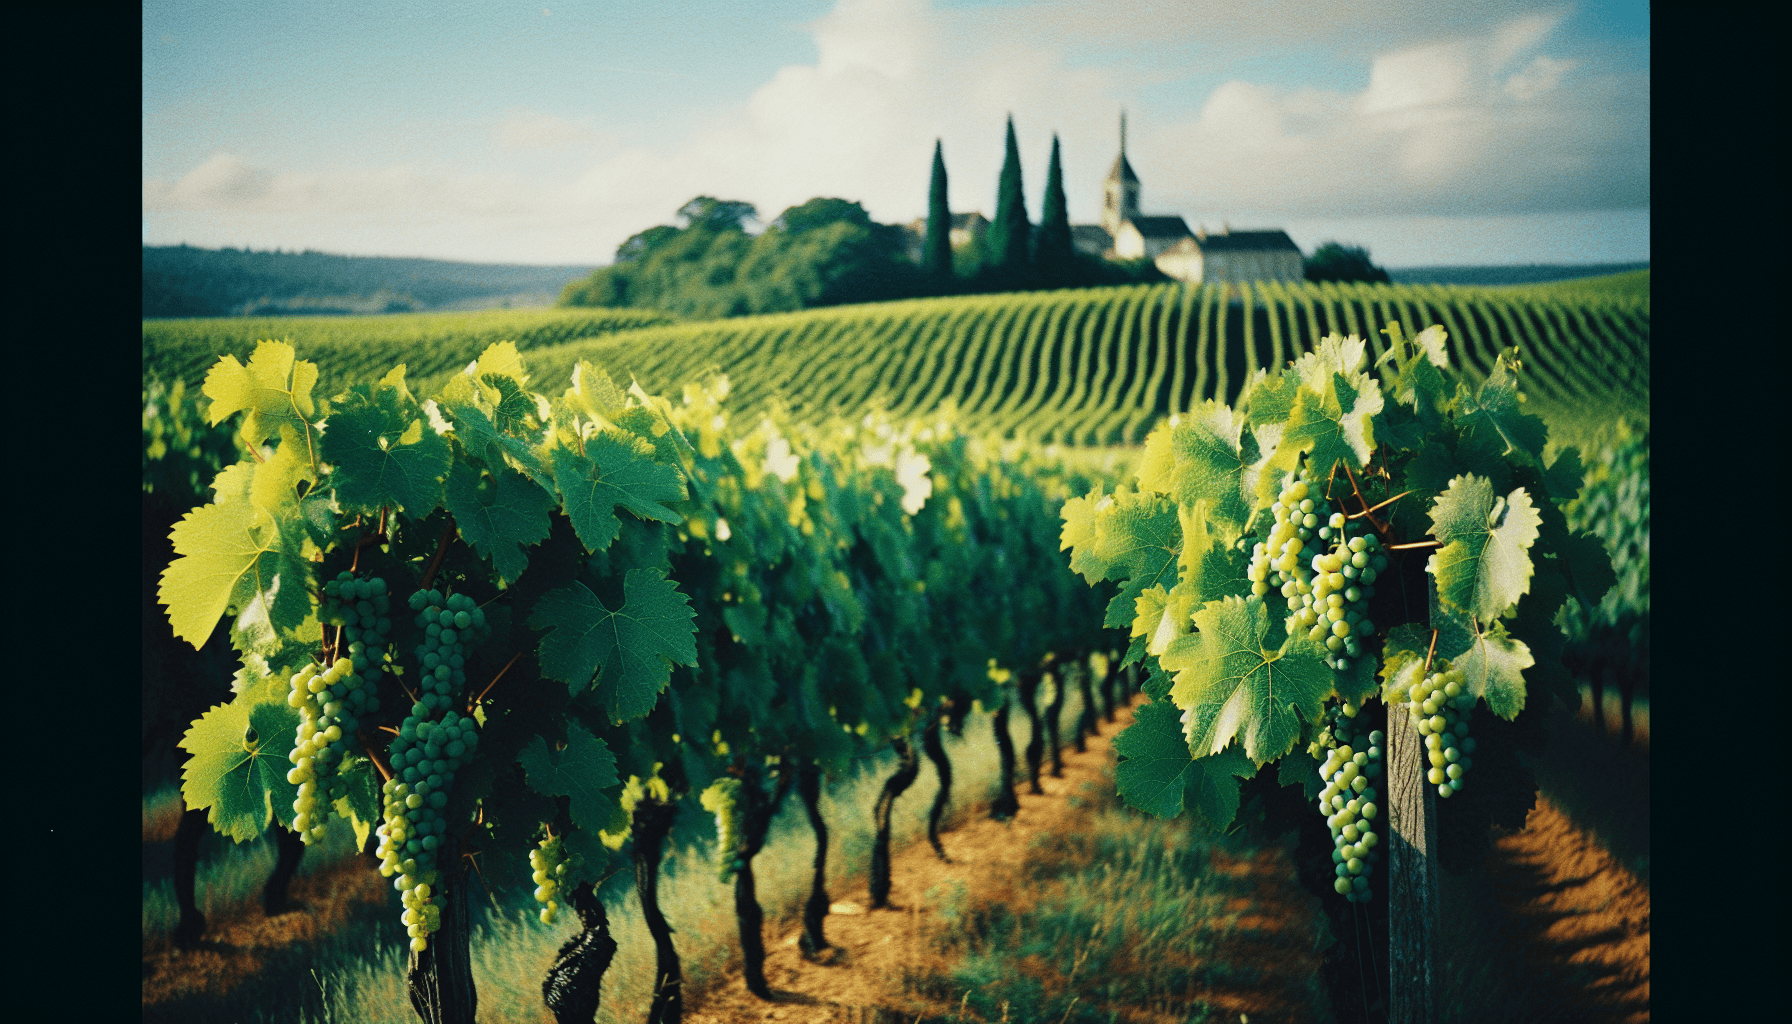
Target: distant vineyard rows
1101	366
349	347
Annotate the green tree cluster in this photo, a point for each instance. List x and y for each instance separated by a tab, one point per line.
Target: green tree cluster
822	253
1334	261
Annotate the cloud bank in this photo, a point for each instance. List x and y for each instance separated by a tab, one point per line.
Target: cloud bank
1491	119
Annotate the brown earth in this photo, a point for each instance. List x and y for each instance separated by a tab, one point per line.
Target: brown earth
1574	922
877	950
237	945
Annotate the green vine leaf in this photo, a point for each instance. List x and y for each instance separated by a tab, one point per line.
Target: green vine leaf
500	513
616	470
1203	460
1234	689
241	782
584	771
1492	659
248	551
627	654
1485	565
274	389
1157	772
1493	415
384	453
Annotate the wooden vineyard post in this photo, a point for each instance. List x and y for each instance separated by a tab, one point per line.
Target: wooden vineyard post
1412	876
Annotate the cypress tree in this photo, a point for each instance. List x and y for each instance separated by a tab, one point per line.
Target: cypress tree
1052	247
1007	239
936	254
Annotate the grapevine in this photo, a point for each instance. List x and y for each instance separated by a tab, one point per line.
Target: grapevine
667	601
1249	584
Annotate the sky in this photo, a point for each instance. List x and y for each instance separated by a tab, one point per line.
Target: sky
1434	133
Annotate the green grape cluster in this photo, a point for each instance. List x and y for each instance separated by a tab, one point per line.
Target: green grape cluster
1353	761
425	756
552	865
433	742
332	701
1439	708
1325	574
451	627
722	799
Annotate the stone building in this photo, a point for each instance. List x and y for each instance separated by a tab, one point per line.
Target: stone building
1192	256
1233	256
966	228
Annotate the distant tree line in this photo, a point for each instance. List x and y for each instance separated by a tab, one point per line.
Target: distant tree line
829	251
183	280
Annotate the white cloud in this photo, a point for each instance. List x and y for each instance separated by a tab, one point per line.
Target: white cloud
1487	120
1542	75
532	129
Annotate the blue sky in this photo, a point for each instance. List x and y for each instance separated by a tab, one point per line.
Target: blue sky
1496	132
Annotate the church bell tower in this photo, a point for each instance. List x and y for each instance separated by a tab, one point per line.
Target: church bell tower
1120	191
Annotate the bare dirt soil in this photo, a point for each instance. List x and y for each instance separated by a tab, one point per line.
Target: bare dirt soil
877	950
1565	922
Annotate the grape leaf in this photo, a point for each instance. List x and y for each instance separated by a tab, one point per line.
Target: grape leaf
1333	426
627	653
1202	460
1493	415
1157	773
1300	768
500	513
1417	380
237	553
361	808
237	771
1210	566
1236	689
615	470
485	441
583	771
384	453
1492	660
1270	398
274	389
1484	566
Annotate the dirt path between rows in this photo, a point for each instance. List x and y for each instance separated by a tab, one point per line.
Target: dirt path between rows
1573	920
1570	924
863	980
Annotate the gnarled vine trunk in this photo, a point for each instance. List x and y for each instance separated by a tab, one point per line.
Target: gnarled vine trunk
936	752
1109	683
574	984
1088	723
186	870
894	786
808	787
652	821
441	977
756	812
1054	711
289	849
1006	805
1028	690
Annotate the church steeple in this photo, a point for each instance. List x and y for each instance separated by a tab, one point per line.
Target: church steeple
1120	192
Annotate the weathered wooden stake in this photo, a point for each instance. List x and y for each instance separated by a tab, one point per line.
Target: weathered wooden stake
1412	875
